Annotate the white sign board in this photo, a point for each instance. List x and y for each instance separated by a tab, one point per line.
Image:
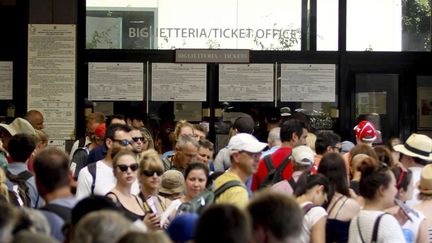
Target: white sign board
179	82
6	73
116	81
246	82
308	82
51	76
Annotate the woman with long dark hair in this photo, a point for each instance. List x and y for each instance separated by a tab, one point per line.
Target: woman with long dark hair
341	207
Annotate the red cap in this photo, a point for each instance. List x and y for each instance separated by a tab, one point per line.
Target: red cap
365	131
100	130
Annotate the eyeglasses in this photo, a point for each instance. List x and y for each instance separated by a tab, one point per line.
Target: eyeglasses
338	148
122	142
403	173
136	139
151	172
124	168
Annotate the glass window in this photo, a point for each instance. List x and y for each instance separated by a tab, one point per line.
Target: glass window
376	100
327	25
424	102
168	24
374	25
388	25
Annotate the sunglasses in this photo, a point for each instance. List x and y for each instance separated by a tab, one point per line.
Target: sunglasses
122	142
151	172
136	139
124	168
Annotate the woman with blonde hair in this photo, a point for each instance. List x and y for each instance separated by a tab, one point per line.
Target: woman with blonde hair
148	137
150	172
4	192
125	170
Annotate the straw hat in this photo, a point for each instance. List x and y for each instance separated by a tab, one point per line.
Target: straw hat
425	185
19	125
417	145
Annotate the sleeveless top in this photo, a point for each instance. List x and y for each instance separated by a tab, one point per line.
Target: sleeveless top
337	230
126	212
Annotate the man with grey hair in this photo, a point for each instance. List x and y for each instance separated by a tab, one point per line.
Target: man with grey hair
273	140
185	151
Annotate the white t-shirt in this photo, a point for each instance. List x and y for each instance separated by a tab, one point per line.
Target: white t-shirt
389	230
416	172
105	181
309	219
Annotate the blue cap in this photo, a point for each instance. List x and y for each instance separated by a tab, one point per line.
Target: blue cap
182	228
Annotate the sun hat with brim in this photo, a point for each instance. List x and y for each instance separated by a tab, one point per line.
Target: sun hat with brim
19	125
245	142
425	184
417	145
172	182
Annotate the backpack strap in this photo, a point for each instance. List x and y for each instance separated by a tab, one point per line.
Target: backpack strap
227	185
292	183
92	169
25	175
81	142
269	163
374	231
61	211
306	208
375	228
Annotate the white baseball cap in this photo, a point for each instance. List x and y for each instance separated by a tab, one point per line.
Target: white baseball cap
245	142
303	155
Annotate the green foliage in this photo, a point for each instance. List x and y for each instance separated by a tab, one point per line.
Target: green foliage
416	25
97	38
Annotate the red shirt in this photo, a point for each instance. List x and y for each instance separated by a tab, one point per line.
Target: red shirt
277	157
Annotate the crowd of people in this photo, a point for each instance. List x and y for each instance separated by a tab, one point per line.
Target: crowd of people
118	185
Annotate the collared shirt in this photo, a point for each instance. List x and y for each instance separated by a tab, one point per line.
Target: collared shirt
269	151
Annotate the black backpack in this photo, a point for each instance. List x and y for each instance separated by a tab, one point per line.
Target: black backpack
274	175
206	198
63	212
79	157
19	194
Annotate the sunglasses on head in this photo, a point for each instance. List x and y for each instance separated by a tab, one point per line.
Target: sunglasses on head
124	168
136	139
122	142
151	172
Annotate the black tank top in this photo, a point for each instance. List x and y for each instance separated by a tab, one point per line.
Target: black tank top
128	214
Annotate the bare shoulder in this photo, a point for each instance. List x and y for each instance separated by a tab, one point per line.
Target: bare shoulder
111	195
349	210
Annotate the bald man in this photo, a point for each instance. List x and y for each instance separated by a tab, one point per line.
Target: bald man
35	118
